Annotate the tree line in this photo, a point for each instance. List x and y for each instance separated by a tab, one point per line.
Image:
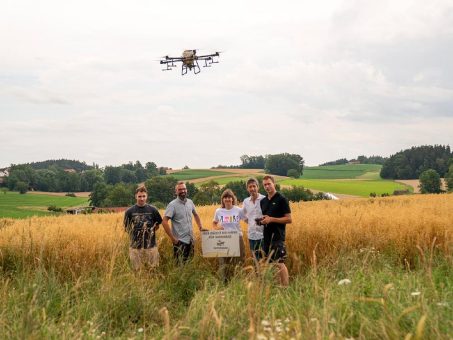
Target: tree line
55	176
282	164
161	190
411	163
361	159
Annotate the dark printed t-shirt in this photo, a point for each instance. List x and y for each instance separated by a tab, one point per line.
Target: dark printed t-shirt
139	223
277	206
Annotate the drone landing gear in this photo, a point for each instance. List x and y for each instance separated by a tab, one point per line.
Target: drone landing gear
194	66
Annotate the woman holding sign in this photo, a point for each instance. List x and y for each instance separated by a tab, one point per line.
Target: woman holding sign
228	217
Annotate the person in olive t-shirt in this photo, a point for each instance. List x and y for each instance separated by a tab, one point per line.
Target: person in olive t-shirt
276	214
141	222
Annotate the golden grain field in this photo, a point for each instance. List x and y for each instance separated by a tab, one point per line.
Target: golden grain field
326	230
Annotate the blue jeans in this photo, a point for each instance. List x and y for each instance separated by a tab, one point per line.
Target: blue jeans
256	248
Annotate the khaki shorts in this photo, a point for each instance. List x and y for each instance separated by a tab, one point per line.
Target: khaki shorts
144	257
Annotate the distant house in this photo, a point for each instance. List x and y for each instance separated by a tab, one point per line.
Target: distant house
94	210
354	161
80	210
71	171
107	210
4	172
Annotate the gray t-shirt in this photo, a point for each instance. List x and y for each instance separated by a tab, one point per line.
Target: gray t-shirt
180	213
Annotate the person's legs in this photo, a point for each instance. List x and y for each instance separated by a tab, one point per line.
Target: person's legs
151	257
256	248
187	252
134	256
182	251
283	274
278	256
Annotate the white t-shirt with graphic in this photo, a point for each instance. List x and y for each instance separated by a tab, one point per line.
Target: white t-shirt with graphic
229	219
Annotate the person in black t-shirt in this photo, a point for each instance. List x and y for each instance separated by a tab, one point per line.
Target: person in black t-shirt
276	214
141	222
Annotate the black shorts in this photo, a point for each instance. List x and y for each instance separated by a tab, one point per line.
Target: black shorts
277	252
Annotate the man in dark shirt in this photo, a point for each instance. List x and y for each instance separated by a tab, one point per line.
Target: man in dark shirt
276	214
141	222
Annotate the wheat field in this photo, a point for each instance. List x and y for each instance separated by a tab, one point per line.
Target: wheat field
403	226
376	268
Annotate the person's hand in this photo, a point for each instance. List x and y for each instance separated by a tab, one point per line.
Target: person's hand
203	229
156	226
175	241
266	219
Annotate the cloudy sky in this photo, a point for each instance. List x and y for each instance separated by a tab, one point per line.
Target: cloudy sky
323	79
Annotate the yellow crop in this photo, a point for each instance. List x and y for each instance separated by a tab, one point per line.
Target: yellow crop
325	230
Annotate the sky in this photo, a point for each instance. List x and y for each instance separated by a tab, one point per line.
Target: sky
322	79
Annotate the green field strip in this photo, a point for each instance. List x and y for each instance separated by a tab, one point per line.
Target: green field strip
347	171
15	205
349	187
185	175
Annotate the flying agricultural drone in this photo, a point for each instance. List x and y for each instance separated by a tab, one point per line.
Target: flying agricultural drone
189	60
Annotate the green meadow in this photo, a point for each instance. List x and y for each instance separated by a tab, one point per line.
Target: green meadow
185	175
15	205
349	187
346	171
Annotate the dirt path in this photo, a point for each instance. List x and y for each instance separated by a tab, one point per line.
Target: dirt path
78	194
238	174
414	183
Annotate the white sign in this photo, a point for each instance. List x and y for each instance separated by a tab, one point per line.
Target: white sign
220	243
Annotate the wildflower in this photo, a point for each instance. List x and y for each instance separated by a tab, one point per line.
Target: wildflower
442	304
344	282
416	293
265	323
332	321
140	330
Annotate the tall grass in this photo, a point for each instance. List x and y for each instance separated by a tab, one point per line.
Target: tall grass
69	277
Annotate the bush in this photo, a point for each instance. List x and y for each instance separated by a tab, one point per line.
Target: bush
293	173
54	208
22	187
449	178
297	193
401	192
430	182
70	194
158	205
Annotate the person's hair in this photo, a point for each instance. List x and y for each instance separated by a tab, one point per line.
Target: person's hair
228	193
252	180
269	177
179	183
141	188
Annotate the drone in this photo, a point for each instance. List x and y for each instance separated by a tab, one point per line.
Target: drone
189	60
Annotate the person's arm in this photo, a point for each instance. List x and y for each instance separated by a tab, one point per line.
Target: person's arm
167	229
284	220
216	226
215	222
243	213
198	221
126	222
158	220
